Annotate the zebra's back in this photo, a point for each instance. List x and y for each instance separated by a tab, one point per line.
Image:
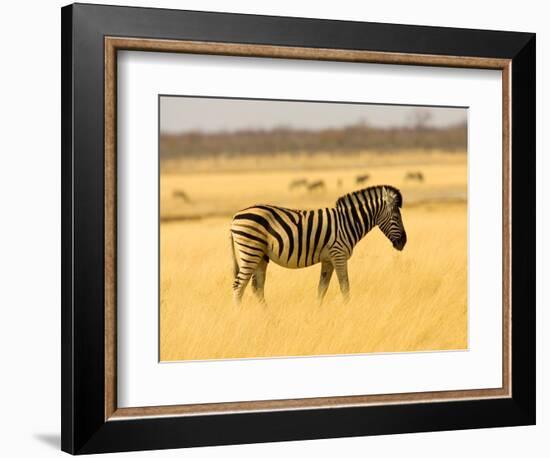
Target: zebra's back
290	238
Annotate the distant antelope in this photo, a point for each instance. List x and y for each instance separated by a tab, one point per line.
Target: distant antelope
302	238
339	183
359	179
316	185
298	183
418	176
179	194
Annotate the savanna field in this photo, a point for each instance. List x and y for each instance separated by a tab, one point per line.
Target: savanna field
414	300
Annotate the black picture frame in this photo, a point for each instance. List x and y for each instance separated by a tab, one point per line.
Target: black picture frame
84	428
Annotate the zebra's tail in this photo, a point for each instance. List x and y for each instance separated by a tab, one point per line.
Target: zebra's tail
235	263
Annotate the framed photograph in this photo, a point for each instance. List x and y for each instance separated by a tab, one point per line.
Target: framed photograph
282	228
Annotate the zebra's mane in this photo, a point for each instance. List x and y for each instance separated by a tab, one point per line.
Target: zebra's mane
341	202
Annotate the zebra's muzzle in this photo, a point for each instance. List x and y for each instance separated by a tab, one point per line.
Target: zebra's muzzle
400	244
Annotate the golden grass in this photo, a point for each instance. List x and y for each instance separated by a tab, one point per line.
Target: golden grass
415	300
222	193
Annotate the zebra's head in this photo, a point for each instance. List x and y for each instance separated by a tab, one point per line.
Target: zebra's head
389	219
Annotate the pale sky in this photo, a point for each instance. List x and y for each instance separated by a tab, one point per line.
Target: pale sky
183	114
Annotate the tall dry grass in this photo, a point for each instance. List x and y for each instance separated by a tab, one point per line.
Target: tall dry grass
415	300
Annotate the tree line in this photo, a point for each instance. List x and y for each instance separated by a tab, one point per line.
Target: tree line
284	139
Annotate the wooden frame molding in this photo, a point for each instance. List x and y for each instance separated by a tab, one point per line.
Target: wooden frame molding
111	46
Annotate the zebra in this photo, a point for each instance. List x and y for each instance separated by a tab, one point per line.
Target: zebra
298	183
418	176
319	184
179	194
302	238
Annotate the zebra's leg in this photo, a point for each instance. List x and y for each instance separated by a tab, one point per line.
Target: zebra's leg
246	270
341	267
326	274
258	280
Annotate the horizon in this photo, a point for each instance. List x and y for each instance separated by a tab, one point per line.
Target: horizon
186	114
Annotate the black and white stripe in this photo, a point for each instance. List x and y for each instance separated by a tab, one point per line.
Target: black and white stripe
301	238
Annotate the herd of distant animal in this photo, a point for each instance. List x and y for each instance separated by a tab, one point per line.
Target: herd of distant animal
320	185
314	185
